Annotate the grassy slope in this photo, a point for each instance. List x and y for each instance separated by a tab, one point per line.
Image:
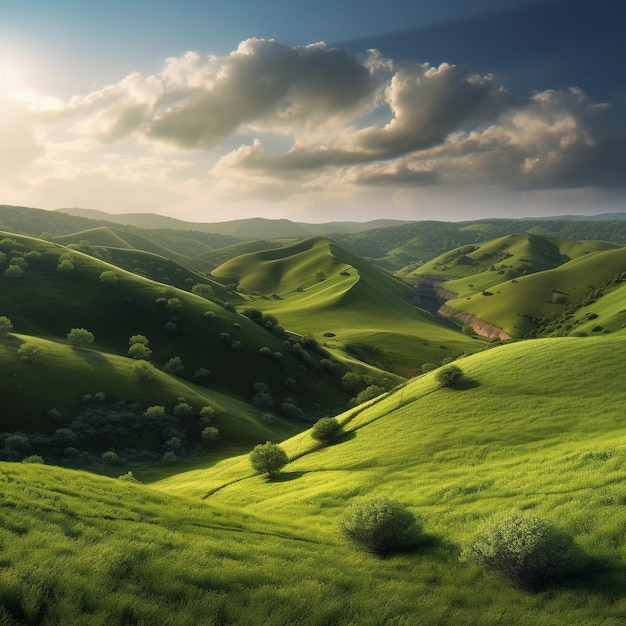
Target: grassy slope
110	238
535	295
47	303
31	389
520	435
356	301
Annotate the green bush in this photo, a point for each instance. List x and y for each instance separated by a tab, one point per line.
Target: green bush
381	526
325	429
268	458
6	325
80	337
522	548
449	376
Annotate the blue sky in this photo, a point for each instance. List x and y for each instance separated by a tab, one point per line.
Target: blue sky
321	111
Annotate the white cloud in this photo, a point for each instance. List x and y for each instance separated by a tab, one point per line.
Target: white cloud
271	122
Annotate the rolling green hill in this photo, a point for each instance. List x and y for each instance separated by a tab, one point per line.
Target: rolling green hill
532	429
518	305
221	545
56	289
321	288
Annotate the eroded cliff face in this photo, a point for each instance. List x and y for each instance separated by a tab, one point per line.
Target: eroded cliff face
480	327
431	287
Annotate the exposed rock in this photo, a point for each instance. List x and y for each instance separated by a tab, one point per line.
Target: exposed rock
484	329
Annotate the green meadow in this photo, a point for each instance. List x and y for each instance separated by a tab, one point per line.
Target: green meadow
128	493
347	303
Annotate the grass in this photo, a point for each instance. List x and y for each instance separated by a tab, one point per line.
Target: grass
519	435
513	304
355	301
47	303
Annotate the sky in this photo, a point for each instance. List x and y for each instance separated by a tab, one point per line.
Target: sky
335	110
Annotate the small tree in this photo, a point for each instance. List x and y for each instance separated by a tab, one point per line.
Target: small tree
521	547
28	352
209	436
80	337
325	429
268	458
6	326
381	525
449	376
203	290
174	366
139	351
144	371
108	277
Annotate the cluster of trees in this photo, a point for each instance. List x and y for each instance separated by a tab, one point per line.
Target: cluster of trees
109	430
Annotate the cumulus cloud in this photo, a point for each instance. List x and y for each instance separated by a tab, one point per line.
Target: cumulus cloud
275	120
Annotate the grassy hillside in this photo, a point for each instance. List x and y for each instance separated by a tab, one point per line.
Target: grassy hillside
405	248
318	287
221	545
60	289
519	435
518	305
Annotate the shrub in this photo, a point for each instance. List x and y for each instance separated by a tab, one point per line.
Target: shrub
268	458
111	458
33	458
139	351
144	371
369	393
428	367
203	290
15	271
381	525
108	277
202	375
209	436
174	366
325	429
522	548
128	477
80	337
6	326
449	376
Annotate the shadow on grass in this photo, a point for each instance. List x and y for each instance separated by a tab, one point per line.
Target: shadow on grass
342	438
595	575
425	544
285	477
466	383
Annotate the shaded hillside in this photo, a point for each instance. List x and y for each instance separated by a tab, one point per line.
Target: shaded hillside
319	287
56	289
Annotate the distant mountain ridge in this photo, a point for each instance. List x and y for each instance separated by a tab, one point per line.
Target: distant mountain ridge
253	227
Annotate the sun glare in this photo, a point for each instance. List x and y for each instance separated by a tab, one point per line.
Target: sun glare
16	72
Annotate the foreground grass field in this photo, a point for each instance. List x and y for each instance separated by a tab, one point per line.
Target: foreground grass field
518	436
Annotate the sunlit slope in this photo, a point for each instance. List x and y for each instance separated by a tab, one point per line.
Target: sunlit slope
47	302
533	428
105	237
221	255
83	549
225	546
512	305
321	288
472	268
520	402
